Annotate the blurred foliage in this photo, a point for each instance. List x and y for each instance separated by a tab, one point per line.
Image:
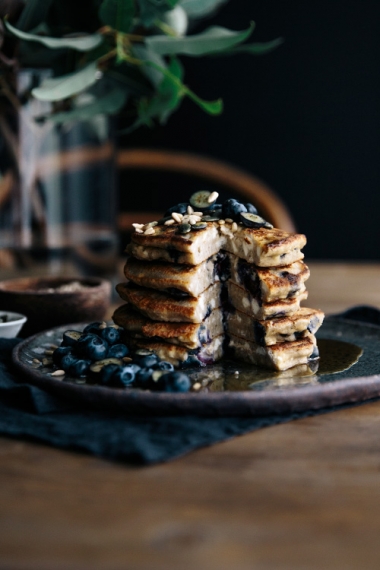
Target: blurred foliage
123	55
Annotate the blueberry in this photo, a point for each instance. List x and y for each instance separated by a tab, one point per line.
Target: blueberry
251	208
92	346
164	365
135	367
110	335
232	209
79	367
96	368
146	361
117	351
70	338
143	378
315	354
67	361
173	382
123	376
93	328
179	208
106	373
59	353
191	362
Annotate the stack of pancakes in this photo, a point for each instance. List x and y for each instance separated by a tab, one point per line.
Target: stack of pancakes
221	286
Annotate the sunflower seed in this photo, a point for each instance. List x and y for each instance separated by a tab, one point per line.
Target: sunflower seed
157	374
127	359
58	373
213	196
169	222
177	217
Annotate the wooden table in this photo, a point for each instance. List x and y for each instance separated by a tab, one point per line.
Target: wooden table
303	495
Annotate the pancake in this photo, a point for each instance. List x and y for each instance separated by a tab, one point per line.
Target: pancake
244	301
160	306
174	278
189	335
269	284
191	248
180	356
280	356
272	331
263	247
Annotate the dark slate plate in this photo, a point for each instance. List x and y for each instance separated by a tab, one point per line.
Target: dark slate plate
252	392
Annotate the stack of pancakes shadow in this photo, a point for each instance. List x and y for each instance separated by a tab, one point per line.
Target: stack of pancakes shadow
220	289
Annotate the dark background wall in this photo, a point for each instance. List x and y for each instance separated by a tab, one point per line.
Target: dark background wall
304	118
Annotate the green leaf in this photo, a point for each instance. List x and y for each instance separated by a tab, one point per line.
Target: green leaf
257	48
200	8
82	43
211	107
118	14
33	13
151	10
130	78
163	103
65	86
169	93
143	53
212	40
109	104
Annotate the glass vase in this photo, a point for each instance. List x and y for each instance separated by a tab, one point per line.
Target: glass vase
57	191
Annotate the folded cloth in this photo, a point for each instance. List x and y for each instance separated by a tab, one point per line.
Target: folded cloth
31	413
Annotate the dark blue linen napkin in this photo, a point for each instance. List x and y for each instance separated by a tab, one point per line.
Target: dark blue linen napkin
29	412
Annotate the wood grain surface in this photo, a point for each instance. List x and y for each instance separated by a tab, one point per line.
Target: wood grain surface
303	495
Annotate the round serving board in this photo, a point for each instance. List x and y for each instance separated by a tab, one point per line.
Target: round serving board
229	388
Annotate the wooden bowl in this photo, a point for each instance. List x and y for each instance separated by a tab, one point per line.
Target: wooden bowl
52	301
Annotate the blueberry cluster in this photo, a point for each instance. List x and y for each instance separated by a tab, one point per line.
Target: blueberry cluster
98	354
211	211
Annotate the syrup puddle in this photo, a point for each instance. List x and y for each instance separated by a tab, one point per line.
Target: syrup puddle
335	356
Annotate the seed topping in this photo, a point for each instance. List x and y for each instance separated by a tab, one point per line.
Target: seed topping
177	217
58	373
213	197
